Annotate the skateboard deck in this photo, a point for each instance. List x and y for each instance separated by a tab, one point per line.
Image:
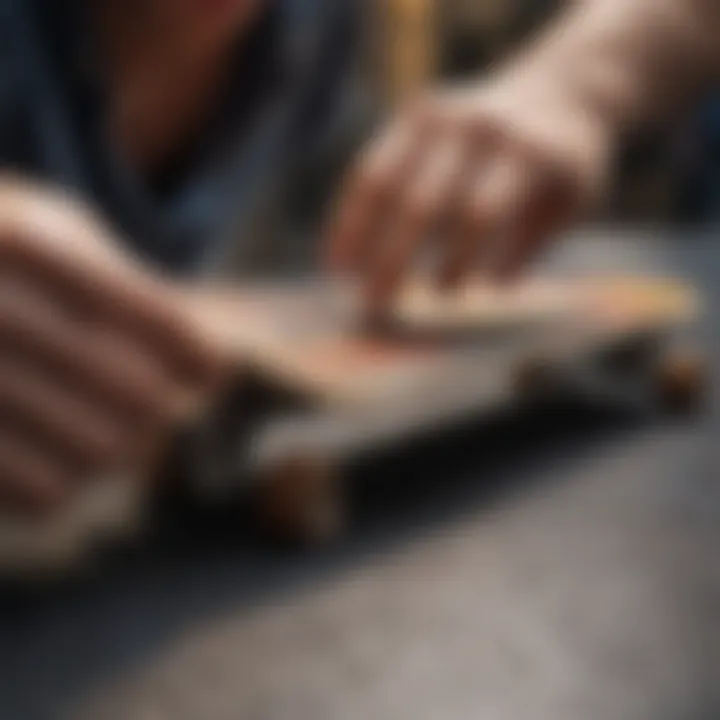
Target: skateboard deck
437	358
304	337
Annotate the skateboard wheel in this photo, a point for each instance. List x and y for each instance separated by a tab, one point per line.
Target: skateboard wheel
681	382
300	501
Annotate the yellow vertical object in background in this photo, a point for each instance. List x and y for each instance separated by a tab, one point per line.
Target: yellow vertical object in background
410	47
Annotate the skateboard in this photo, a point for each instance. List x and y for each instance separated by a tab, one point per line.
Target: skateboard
350	389
327	385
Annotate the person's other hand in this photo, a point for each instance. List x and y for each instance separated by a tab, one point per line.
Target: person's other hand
96	356
481	177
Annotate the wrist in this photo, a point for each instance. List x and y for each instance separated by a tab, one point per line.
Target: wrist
631	63
591	69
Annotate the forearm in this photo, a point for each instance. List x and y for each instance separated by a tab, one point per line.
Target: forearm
634	61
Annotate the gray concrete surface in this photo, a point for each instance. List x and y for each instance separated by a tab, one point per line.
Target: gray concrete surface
562	566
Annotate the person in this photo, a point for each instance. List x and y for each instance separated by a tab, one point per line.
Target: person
133	135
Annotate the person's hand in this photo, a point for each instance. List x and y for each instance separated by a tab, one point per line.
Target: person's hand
96	356
476	178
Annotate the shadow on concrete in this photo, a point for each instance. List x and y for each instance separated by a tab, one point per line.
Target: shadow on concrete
58	643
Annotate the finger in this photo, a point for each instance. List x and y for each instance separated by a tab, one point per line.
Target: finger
545	213
499	191
107	368
157	399
83	433
69	250
369	192
29	478
426	202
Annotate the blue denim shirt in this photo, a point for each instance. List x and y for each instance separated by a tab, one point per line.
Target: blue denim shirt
287	77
